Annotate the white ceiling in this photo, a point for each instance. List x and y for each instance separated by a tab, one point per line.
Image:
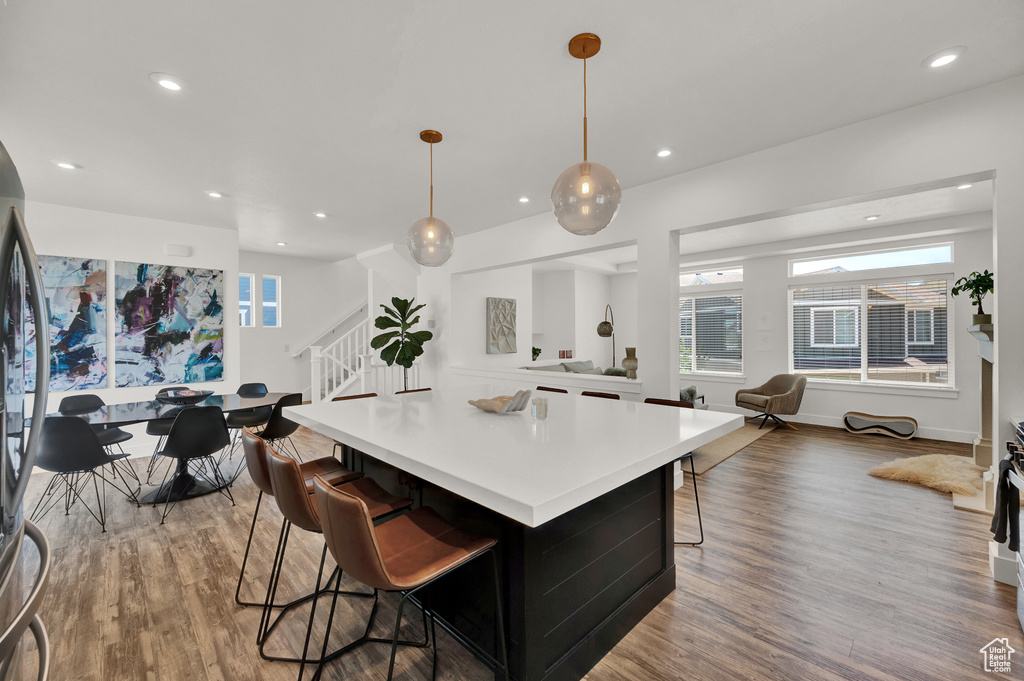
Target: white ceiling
297	107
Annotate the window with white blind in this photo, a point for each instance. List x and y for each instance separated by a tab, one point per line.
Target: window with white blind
271	286
891	332
245	289
711	334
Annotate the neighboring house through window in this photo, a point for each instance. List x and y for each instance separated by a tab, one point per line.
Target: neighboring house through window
245	302
271	290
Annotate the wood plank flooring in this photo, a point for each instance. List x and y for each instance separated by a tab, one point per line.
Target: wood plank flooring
811	570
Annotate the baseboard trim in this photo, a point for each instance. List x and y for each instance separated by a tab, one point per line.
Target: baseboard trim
924	432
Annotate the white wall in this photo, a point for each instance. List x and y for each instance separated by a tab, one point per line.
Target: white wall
314	295
943	415
592	295
970	136
557	313
469	295
622	293
60	230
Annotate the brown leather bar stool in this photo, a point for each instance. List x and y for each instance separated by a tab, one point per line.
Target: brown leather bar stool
552	390
607	396
255	449
416	390
300	510
348	454
693	475
404	554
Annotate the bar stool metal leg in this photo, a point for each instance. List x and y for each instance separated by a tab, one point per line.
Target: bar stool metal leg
696	499
245	558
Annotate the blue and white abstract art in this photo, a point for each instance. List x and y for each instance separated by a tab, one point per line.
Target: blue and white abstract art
76	296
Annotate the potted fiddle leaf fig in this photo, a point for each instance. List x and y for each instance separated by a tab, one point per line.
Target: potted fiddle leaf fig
976	286
401	344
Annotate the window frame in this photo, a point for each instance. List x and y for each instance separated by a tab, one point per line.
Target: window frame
275	304
250	304
911	323
837	308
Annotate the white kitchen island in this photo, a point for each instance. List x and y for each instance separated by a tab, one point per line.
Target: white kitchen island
581	504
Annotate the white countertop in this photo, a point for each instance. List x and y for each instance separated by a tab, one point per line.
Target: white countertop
528	470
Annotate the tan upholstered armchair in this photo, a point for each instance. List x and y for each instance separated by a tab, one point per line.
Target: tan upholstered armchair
780	395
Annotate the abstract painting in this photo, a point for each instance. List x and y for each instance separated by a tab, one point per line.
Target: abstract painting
501	325
170	324
76	298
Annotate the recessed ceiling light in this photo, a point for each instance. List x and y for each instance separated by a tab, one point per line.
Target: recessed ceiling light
944	57
664	152
524	199
281	243
965	186
168	82
320	214
215	194
871	217
66	165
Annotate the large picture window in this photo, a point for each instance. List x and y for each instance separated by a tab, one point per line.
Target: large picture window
711	334
891	332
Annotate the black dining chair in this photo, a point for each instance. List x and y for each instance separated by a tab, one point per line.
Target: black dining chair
278	430
252	419
159	428
69	448
109	437
693	474
195	436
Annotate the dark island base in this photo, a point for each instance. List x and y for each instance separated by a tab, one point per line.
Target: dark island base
573	587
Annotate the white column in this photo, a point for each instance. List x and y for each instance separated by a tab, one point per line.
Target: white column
657	352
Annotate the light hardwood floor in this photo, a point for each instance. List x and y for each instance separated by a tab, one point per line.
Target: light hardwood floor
811	570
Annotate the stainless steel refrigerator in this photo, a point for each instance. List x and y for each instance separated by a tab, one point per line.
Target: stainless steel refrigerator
24	552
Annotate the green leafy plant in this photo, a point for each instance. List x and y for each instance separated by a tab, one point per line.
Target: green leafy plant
401	344
976	286
536	353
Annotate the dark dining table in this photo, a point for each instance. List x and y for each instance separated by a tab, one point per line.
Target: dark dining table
183	483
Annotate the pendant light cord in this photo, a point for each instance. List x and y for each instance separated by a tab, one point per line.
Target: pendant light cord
584	109
431	179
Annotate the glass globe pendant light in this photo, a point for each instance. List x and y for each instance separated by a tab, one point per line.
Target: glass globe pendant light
431	241
586	196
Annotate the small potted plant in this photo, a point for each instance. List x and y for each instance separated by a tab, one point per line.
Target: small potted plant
403	344
976	286
536	354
